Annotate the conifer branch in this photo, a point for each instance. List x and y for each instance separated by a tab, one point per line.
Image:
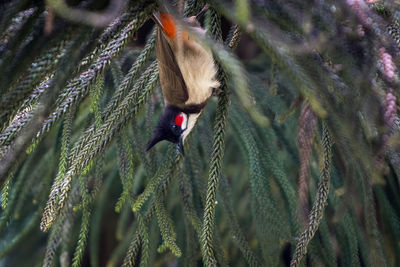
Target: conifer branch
99	141
207	234
79	87
17	51
213	181
127	173
86	198
171	160
305	135
44	66
133	250
320	201
188	205
63	224
23	116
6	190
166	227
43	108
65	144
125	85
55	238
96	19
83	234
10	13
207	240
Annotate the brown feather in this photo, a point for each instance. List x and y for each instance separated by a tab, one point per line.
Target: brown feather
196	63
172	83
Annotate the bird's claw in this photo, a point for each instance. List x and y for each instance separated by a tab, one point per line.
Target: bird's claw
216	92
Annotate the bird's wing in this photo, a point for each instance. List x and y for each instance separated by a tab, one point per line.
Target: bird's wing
171	79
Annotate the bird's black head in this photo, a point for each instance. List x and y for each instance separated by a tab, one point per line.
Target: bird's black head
170	127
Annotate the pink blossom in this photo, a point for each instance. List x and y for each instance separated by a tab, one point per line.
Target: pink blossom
360	9
389	69
390	109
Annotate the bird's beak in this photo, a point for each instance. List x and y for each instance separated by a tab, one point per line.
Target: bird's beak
179	146
156	138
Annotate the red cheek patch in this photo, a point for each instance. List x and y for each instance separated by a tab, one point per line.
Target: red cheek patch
179	120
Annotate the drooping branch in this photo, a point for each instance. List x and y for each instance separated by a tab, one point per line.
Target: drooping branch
96	19
320	201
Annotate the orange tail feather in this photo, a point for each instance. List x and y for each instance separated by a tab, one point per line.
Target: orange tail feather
168	24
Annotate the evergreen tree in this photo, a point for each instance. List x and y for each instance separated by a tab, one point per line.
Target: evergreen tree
294	162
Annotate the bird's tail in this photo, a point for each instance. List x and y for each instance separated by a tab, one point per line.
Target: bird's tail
167	22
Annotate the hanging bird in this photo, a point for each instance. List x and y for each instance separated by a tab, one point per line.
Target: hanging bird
187	76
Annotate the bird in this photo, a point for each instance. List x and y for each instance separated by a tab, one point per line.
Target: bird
187	72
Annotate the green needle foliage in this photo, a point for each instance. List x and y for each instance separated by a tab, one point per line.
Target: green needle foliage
320	201
294	162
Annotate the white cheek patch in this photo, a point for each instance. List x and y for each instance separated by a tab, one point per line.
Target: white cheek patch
191	121
185	121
